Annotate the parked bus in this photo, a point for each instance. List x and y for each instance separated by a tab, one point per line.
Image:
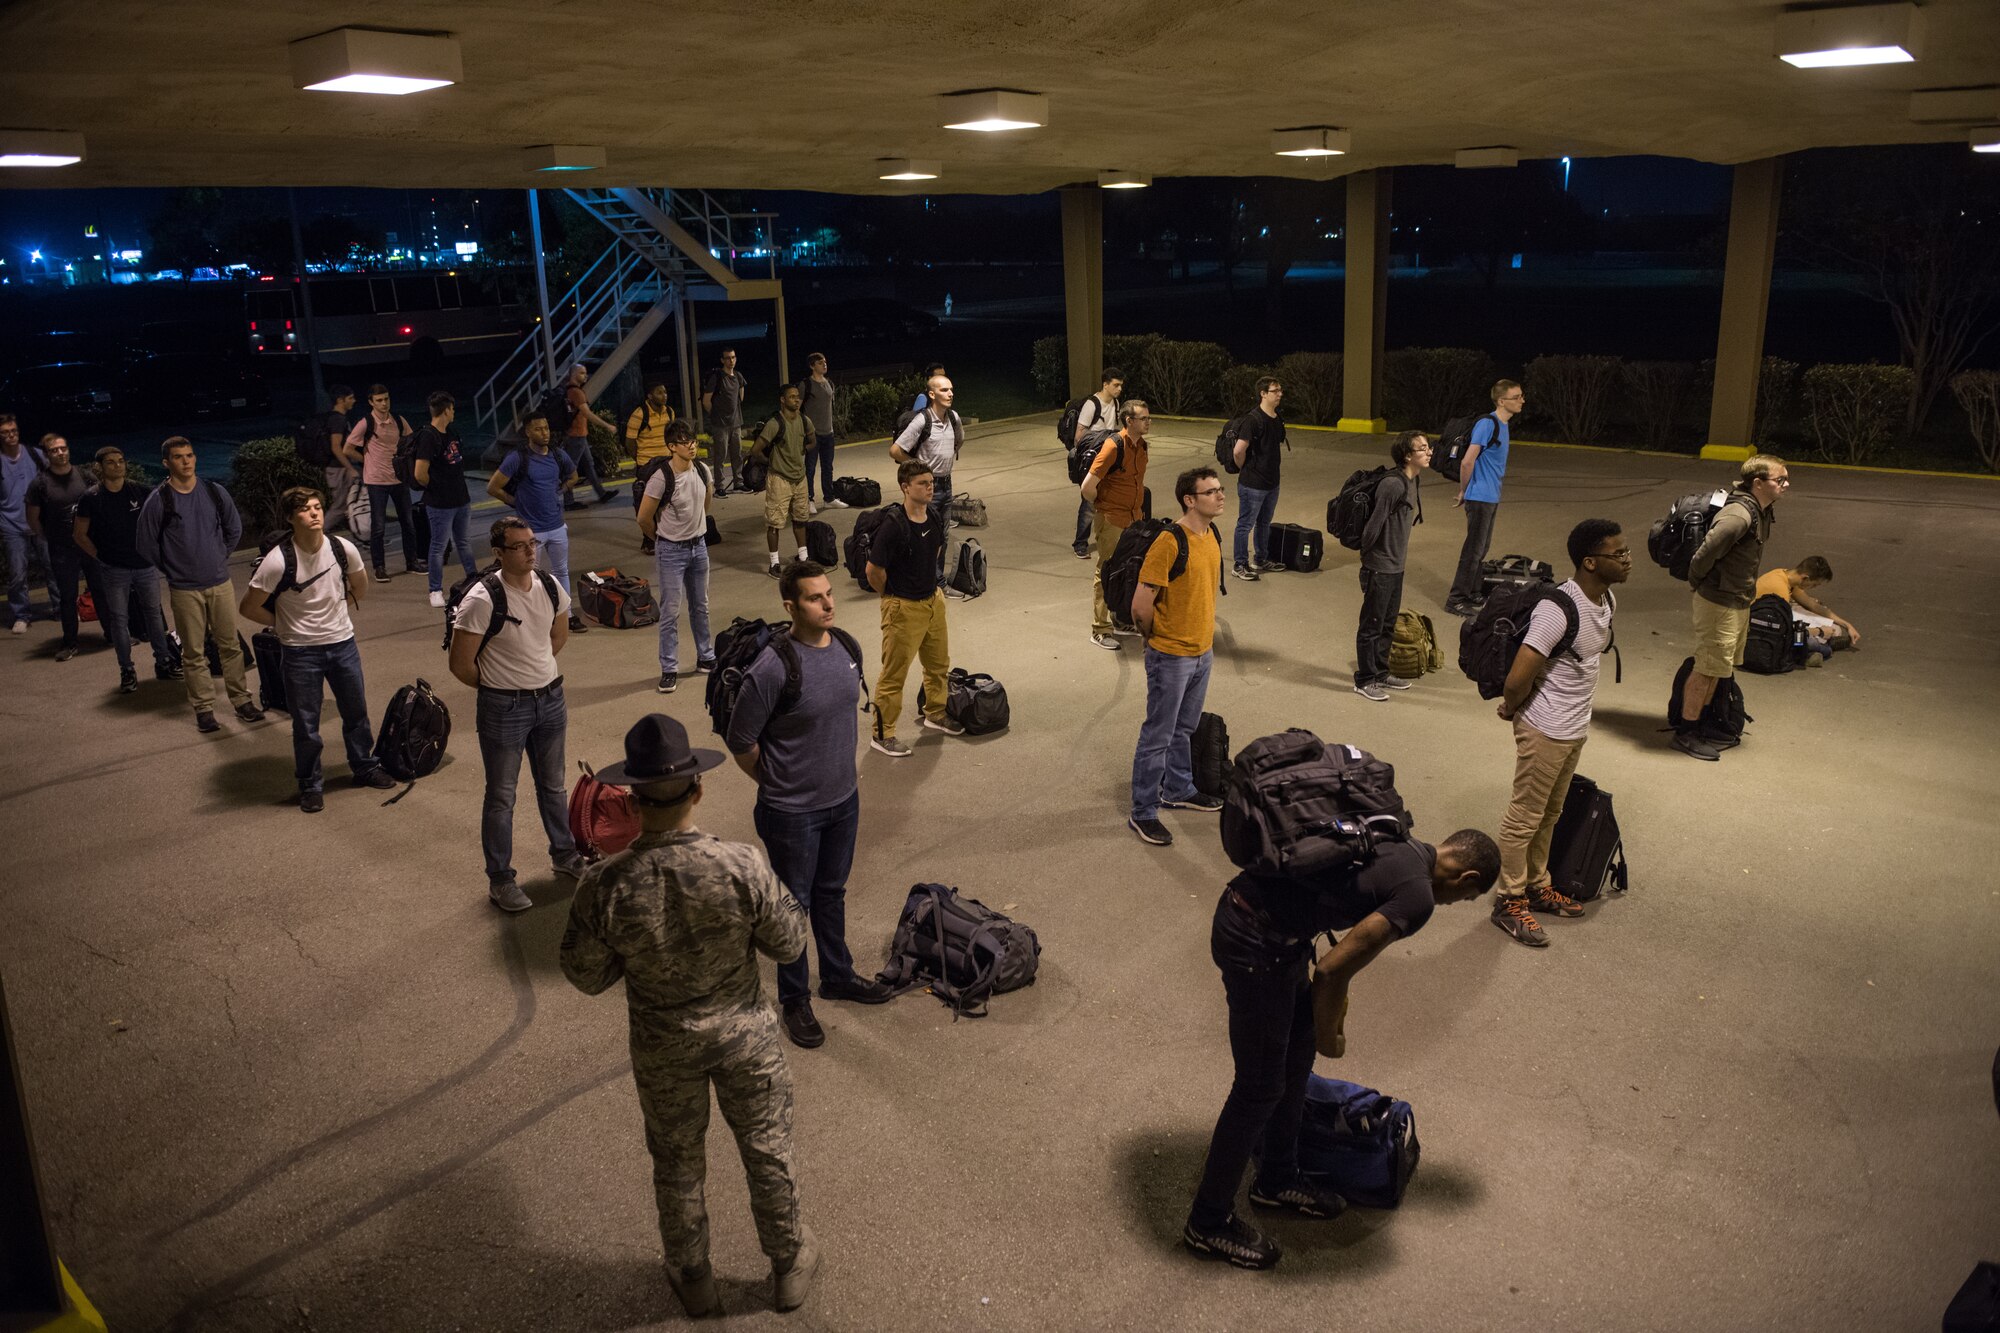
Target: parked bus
418	315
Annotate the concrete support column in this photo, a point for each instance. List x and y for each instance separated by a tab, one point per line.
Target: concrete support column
1746	300
1367	292
1083	285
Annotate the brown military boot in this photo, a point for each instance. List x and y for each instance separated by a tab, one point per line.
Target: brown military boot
696	1289
789	1287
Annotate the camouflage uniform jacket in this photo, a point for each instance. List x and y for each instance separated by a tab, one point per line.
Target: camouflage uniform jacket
681	916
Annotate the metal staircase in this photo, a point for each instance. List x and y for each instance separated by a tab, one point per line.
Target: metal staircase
672	247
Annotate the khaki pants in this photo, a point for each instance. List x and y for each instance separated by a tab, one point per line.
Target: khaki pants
1719	635
1542	770
1104	535
911	630
199	615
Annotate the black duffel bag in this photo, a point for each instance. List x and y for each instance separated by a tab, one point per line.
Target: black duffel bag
975	701
962	949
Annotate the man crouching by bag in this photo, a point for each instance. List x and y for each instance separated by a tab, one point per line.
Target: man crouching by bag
1278	1005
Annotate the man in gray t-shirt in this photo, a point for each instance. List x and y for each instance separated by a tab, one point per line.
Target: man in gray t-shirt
797	742
722	403
1548	699
818	407
1385	547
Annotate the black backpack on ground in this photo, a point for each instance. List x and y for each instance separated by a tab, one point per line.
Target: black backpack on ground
414	732
1209	752
1673	540
968	575
1225	444
1347	513
1121	571
975	701
1585	852
857	492
311	440
822	544
1772	643
1297	805
1448	459
962	949
1722	719
554	405
1489	642
861	542
270	655
1297	547
496	592
739	646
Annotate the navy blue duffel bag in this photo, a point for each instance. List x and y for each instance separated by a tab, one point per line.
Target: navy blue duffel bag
1358	1143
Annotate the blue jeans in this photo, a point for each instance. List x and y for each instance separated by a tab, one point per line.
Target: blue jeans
940	509
452	524
553	557
67	564
683	567
508	724
308	672
22	547
1254	509
1162	768
378	528
822	449
811	852
120	589
578	449
1085	514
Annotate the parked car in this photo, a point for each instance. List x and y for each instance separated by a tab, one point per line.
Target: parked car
61	396
183	384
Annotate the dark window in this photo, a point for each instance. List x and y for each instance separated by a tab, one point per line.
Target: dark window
269	305
447	289
385	295
346	296
418	292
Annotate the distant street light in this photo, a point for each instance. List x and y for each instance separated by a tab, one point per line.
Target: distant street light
1565	175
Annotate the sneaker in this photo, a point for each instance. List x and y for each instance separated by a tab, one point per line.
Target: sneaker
507	896
834	504
1200	801
1151	831
205	721
250	712
1244	572
1107	642
128	681
168	672
610	494
703	668
772	570
890	746
1081	552
20	627
943	724
572	864
377	778
1466	609
1274	566
813	506
695	1287
802	1027
381	574
312	802
1688	743
1720	740
1549	902
64	653
789	1288
1511	914
1372	692
1234	1242
576	625
417	567
857	991
669	682
1300	1196
951	523
1396	682
437	599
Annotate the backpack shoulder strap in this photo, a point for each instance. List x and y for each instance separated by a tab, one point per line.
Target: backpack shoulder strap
548	586
496	592
341	548
1180	553
1221	577
853	648
788	654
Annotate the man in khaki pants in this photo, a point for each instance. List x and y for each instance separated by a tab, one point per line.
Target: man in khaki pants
1548	699
187	529
902	566
1115	488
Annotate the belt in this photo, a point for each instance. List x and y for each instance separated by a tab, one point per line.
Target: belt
555	684
681	541
1258	915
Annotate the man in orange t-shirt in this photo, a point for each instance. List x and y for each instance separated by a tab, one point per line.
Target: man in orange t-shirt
1115	488
576	441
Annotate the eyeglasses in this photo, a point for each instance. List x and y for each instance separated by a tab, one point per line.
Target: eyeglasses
533	543
1217	490
1622	553
1777	481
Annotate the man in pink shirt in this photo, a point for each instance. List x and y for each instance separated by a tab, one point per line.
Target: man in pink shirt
375	438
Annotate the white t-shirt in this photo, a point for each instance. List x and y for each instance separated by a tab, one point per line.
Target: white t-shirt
313	612
1094	415
933	446
519	657
1560	708
685	517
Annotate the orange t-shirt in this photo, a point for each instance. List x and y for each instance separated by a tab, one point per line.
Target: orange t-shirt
1184	612
1778	583
1121	495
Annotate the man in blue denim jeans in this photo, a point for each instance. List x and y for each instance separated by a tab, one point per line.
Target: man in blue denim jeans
302	587
19	466
107	530
504	640
1174	608
795	731
673	511
439	472
536	480
1257	457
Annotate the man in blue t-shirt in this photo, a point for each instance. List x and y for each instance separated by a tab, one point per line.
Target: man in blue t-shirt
545	478
1479	476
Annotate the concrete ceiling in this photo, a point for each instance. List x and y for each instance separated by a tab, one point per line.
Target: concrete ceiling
198	92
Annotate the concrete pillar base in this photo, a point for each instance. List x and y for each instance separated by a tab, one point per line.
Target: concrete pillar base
1726	453
1363	425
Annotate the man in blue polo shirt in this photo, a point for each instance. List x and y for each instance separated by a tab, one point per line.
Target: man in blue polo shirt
545	477
1479	477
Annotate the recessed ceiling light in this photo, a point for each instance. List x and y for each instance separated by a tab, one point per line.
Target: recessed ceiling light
905	169
1855	35
1499	155
994	109
1986	140
1942	106
1310	141
564	157
40	148
1123	180
368	60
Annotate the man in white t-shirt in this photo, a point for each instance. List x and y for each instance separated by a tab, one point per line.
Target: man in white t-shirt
302	588
674	513
505	636
1548	699
1099	412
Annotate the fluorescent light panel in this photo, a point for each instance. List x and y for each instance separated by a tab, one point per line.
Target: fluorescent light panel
1123	180
1986	140
905	169
992	110
1856	35
564	157
1311	141
1496	156
40	148
365	60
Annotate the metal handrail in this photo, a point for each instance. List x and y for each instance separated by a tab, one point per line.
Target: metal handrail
596	301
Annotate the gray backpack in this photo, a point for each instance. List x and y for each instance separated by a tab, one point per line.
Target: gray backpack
963	950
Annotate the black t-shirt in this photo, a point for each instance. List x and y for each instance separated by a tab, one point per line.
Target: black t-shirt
446	455
336	424
56	497
114	523
910	551
1396	883
1260	460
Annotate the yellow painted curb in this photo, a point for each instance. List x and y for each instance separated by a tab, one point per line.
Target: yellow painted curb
1725	453
81	1317
1363	425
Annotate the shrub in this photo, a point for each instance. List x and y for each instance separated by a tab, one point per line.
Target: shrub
1573	393
872	407
1424	387
1777	380
262	471
1128	351
604	449
1239	388
1978	392
1855	410
1312	386
843	409
1183	377
1049	368
1657	390
1050	365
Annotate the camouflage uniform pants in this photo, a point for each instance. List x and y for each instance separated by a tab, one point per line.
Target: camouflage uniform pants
753	1087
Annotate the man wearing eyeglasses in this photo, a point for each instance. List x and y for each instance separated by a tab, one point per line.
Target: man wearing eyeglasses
1479	476
1115	488
1723	574
1548	699
504	640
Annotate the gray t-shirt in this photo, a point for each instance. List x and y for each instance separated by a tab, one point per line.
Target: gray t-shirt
683	513
818	404
808	750
931	441
1560	708
725	406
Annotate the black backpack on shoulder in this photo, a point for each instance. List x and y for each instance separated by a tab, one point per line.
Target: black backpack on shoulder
861	542
1347	513
312	441
554	404
414	732
963	950
739	646
1448	459
1086	451
1067	423
1489	642
1225	444
1297	806
496	592
1121	571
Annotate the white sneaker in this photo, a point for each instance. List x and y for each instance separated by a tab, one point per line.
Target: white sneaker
813	506
437	599
835	504
20	627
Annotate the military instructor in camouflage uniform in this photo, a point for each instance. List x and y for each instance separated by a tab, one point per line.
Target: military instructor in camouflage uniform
681	916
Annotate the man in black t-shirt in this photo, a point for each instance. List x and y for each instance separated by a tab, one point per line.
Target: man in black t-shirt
1262	940
1257	452
52	499
439	470
107	530
902	566
343	473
